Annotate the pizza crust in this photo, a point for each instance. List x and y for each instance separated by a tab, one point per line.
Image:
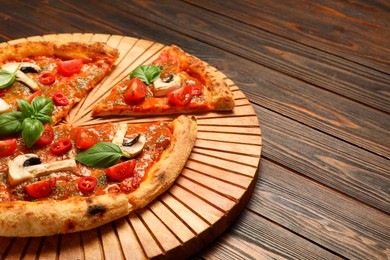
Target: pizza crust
44	218
166	170
67	50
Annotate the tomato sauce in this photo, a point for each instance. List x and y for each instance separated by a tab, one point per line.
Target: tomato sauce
157	140
73	87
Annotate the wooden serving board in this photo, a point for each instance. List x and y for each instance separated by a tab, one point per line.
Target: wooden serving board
212	190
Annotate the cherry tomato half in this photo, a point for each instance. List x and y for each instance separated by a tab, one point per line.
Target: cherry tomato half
85	138
87	184
196	90
69	67
47	136
61	147
2	92
7	147
121	171
41	189
47	78
60	99
136	90
181	96
33	95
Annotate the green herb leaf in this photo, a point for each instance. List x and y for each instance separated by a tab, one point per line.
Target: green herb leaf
42	105
7	78
11	123
147	73
32	131
45	119
101	155
26	108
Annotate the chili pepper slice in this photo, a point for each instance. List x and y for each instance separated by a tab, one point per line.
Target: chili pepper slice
60	99
47	78
87	184
61	147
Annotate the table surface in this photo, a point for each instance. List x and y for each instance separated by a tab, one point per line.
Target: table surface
317	73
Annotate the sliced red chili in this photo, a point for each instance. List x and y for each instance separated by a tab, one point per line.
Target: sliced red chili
87	184
47	78
60	99
61	147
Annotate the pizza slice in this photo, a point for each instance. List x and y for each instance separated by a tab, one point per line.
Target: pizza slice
89	176
176	82
62	72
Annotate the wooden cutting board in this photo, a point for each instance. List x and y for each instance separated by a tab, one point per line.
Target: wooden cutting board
212	190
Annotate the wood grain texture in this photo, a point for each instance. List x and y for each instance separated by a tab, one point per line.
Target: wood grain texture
201	203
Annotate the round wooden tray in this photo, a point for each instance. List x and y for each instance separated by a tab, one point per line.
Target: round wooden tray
212	190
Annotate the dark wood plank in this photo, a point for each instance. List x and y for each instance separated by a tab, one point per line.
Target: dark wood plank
296	99
338	223
254	237
357	31
311	65
344	167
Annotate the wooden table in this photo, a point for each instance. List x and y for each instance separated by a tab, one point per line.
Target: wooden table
316	74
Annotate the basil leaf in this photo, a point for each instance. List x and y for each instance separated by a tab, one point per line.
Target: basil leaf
7	78
25	107
11	123
42	105
45	119
147	73
32	131
100	155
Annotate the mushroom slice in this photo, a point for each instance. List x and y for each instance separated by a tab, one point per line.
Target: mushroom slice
20	76
18	173
131	148
4	107
163	86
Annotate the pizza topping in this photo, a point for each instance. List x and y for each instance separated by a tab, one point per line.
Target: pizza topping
41	189
196	90
128	148
121	171
32	161
85	138
19	170
7	147
4	107
60	99
29	120
33	95
100	155
69	67
47	135
136	90
133	147
147	73
180	97
163	86
14	70
61	147
47	78
87	184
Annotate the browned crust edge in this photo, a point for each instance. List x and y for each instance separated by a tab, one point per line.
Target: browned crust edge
64	50
166	170
44	218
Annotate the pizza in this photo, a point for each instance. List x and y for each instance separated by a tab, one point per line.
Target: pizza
78	178
174	83
63	72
